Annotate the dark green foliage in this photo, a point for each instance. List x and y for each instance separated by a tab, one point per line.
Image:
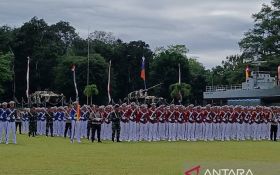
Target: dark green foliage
53	50
164	68
262	42
5	71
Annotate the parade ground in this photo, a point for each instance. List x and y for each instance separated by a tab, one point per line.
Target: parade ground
42	155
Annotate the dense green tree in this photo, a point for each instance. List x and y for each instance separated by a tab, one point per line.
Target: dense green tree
5	70
43	44
98	75
231	72
6	38
54	48
262	42
179	91
198	81
164	69
91	90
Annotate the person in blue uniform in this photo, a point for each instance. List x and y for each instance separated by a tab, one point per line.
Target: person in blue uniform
4	121
2	113
40	121
75	124
11	125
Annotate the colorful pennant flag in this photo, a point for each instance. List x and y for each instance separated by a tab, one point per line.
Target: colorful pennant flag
248	72
143	76
78	112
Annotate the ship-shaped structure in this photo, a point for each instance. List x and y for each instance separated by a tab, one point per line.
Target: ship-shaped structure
258	89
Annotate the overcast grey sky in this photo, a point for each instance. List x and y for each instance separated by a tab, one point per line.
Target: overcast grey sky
210	29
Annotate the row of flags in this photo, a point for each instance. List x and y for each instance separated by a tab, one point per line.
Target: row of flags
248	73
142	75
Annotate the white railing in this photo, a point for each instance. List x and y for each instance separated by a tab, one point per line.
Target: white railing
223	88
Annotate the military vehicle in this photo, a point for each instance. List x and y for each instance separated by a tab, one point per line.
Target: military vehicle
141	96
46	98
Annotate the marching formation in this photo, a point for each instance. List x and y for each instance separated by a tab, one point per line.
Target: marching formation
132	122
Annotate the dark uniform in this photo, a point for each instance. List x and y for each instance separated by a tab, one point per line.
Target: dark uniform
49	124
19	122
96	125
274	127
32	123
67	125
115	117
89	127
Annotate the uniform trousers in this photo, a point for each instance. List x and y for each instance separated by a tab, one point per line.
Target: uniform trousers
161	130
41	127
67	127
25	126
273	132
181	131
2	129
208	131
49	128
172	135
11	129
153	133
76	130
19	126
132	131
96	128
143	132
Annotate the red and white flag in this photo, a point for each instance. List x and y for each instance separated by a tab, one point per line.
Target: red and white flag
74	80
73	67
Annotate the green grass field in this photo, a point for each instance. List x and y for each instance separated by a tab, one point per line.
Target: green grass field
57	156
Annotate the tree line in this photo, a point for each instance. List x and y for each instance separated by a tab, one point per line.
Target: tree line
54	48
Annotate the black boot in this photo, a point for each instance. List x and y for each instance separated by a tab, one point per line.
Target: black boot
113	136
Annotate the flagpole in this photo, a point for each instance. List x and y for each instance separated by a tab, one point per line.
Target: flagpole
88	65
27	81
145	85
179	73
179	79
75	84
109	81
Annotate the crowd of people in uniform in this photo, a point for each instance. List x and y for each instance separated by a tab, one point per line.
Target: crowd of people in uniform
133	122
